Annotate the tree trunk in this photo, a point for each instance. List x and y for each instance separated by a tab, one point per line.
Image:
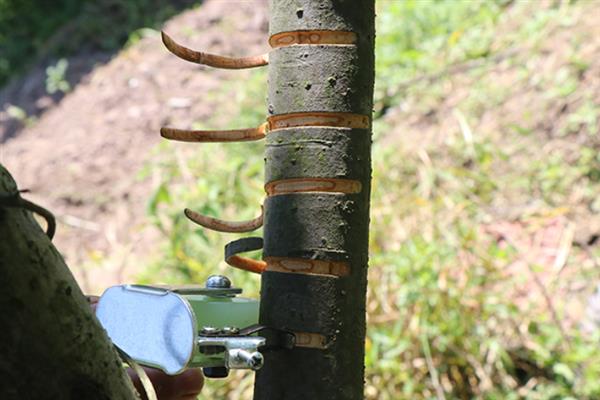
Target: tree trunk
51	345
317	210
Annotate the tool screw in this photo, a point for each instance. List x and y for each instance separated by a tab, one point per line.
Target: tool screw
243	358
230	330
218	282
209	330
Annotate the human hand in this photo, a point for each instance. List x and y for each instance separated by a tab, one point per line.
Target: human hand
185	386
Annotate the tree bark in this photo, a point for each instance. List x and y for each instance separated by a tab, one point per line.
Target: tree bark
328	226
51	345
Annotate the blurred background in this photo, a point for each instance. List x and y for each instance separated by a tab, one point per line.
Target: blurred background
485	240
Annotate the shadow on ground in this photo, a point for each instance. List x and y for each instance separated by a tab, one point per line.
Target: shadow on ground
85	34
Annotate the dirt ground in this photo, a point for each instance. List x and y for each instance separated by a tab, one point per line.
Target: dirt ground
83	155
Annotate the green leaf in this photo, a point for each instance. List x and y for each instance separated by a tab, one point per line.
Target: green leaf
564	371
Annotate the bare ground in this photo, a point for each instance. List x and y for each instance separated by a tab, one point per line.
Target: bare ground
83	156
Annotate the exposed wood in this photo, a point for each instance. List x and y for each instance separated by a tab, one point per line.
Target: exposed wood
208	136
311	37
300	185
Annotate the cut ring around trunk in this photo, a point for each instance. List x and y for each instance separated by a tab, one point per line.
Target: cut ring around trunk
325	119
213	60
311	340
302	185
314	37
220	225
307	266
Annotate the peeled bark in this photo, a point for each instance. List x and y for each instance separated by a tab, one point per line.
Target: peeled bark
51	345
318	225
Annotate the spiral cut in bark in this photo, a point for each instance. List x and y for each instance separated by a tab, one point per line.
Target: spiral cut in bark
207	136
213	60
220	225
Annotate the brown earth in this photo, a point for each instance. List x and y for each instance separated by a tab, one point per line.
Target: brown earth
83	155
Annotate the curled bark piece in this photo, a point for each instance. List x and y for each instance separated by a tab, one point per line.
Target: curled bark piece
243	245
233	135
213	60
247	264
220	225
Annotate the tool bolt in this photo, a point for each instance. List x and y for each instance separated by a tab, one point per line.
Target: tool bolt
218	282
209	330
244	359
256	361
230	330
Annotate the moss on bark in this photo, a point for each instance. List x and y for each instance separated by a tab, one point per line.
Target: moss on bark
52	346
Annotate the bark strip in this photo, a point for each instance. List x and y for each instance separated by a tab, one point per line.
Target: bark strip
213	60
220	225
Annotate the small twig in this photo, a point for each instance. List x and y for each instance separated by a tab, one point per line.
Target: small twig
542	289
14	200
564	248
431	368
455	69
76	222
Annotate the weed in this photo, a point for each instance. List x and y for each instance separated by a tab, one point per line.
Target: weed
56	77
